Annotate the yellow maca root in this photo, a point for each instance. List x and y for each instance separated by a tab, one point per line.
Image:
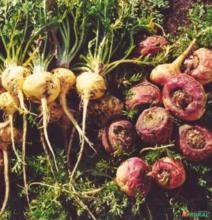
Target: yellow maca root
67	80
12	80
44	88
90	86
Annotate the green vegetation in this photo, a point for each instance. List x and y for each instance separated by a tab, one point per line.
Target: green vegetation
97	35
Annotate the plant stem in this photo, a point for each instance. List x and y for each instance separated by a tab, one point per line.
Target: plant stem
156	148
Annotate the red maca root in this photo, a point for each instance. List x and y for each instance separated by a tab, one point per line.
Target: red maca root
131	177
199	65
154	125
151	45
117	136
161	73
144	93
168	173
184	97
195	142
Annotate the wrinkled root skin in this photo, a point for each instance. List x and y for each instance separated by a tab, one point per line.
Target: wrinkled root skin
40	85
118	136
101	110
199	65
194	92
131	177
91	85
154	126
195	142
151	45
13	78
5	135
168	173
144	93
56	112
162	73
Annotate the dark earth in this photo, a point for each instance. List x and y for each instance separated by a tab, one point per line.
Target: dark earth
177	13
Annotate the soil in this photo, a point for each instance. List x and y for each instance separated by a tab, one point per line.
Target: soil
177	14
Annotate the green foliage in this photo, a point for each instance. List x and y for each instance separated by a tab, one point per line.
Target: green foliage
155	154
21	22
130	113
147	10
109	33
111	202
201	23
6	215
103	168
32	119
200	27
127	80
202	173
162	4
47	205
179	206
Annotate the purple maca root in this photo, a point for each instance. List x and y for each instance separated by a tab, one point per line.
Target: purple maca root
168	173
184	97
199	65
151	45
154	125
145	93
195	142
118	135
131	177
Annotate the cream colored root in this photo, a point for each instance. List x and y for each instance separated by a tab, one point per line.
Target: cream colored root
23	109
63	103
82	145
45	121
6	180
47	154
12	139
24	157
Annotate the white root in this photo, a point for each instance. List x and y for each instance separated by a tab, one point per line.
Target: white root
45	122
6	180
82	145
23	109
63	103
47	153
13	139
24	157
